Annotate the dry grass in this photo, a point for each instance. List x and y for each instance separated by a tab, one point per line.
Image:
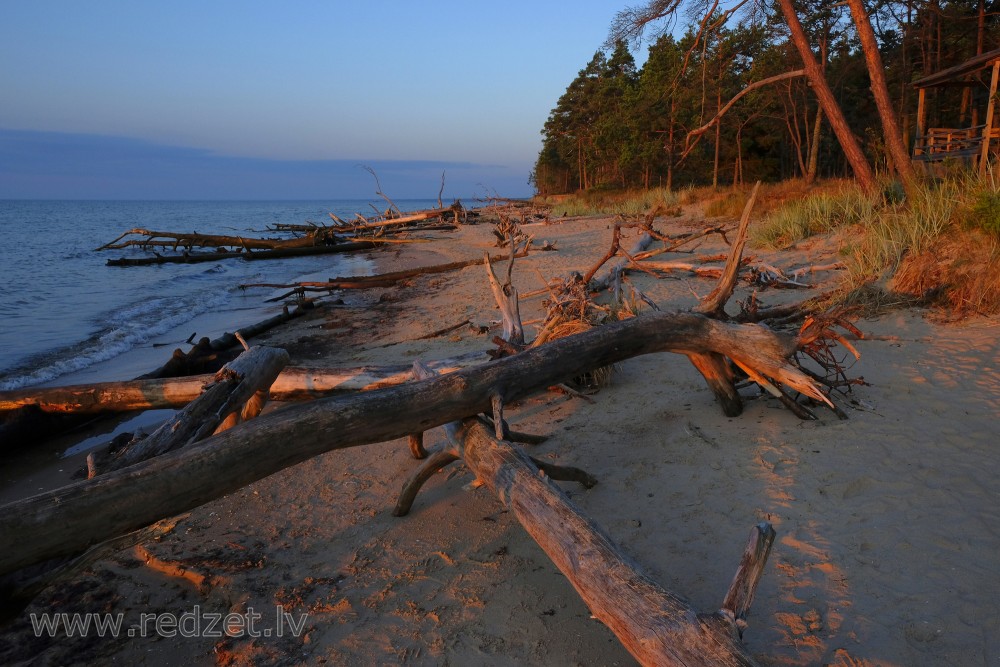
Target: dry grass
959	272
603	202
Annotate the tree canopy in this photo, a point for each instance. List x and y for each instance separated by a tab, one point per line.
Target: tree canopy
622	126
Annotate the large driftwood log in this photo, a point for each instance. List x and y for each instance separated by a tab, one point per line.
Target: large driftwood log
456	209
239	389
293	384
656	626
279	253
68	520
189	240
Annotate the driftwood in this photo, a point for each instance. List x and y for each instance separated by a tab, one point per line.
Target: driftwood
175	240
456	209
367	282
209	355
237	393
673	243
714	304
27	417
293	384
506	298
656	626
195	257
68	520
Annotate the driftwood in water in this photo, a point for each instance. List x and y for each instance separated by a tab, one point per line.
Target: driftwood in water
68	520
237	393
195	257
176	240
293	384
656	626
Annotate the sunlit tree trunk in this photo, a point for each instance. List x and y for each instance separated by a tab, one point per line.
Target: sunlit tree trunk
848	142
876	72
814	148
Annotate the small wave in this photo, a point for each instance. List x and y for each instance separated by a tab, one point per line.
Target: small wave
124	329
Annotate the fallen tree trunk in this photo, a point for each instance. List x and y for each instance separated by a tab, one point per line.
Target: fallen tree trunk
404	220
293	384
656	626
68	520
239	389
194	239
195	257
24	421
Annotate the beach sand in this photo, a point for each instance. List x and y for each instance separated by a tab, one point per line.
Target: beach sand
888	541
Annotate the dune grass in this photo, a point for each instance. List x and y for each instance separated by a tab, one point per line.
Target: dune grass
942	244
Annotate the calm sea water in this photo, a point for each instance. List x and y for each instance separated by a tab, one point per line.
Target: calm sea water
63	310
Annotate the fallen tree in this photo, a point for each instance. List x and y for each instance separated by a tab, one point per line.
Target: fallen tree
277	253
68	520
656	626
293	384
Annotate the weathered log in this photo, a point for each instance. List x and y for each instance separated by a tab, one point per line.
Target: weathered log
715	303
68	520
736	604
506	297
195	257
675	242
293	384
204	355
656	626
234	387
194	239
404	220
690	267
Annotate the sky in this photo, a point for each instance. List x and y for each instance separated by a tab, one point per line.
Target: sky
266	100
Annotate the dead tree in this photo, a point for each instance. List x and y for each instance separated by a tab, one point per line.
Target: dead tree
657	626
293	384
70	519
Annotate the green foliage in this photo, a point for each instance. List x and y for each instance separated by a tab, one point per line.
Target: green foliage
626	127
985	213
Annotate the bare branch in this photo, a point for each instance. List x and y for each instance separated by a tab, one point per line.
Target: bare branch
696	134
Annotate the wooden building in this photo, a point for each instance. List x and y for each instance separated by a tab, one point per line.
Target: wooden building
976	142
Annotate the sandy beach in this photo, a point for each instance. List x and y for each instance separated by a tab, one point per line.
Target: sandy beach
888	538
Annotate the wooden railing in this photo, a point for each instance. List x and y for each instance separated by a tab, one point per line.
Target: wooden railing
947	142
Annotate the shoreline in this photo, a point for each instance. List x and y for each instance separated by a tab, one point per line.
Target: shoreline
849	582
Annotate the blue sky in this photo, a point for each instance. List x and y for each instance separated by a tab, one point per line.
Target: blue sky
223	99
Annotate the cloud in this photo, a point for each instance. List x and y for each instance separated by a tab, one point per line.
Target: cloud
56	165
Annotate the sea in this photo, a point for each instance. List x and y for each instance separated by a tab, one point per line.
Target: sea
68	318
